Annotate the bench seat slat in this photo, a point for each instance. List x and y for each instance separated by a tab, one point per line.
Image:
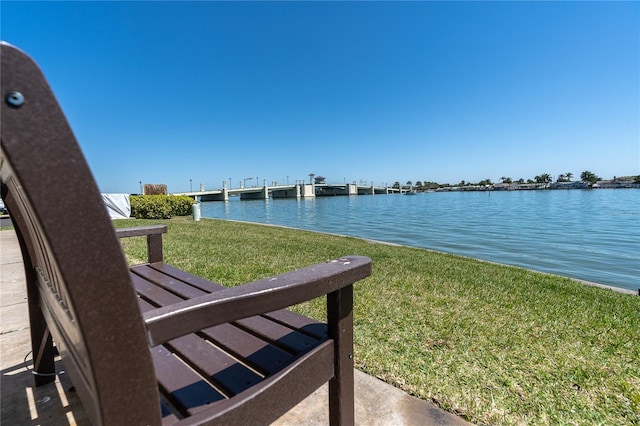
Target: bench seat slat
257	353
174	285
285	337
155	295
302	323
201	283
182	387
219	367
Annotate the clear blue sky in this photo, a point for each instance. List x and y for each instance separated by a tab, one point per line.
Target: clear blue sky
165	92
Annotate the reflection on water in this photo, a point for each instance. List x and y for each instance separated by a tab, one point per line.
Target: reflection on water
592	235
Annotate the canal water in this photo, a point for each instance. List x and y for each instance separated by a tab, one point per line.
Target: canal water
592	235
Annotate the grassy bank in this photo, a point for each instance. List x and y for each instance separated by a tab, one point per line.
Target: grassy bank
494	344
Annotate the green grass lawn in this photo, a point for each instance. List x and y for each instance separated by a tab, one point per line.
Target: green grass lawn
494	344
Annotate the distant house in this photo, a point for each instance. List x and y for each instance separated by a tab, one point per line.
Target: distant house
505	186
615	183
569	185
320	180
532	186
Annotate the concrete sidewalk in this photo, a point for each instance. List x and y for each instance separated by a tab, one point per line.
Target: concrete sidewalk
377	403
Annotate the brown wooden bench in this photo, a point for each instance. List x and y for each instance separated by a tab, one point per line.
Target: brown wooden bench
152	344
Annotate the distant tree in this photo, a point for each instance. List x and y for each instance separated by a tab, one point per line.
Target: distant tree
419	185
486	182
520	180
543	178
589	177
396	185
462	183
636	179
431	185
569	175
505	179
529	181
561	178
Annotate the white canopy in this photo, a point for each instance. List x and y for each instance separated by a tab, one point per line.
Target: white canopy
118	205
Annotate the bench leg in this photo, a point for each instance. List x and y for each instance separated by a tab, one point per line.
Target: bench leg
42	348
340	323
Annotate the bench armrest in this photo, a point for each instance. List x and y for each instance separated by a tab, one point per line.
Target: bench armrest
154	239
258	297
140	231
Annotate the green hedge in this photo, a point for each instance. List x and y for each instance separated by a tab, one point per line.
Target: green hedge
160	206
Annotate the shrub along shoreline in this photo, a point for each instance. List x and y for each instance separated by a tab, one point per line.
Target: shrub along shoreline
494	344
160	206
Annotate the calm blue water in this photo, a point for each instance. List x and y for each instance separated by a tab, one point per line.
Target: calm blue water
592	235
